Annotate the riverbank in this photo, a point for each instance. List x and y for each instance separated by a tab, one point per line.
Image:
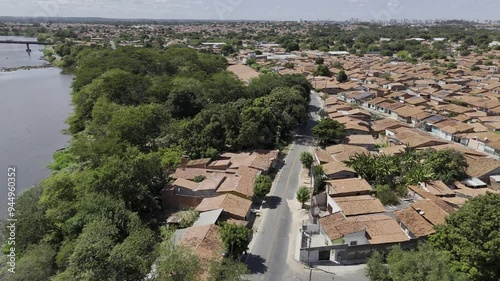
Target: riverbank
10	69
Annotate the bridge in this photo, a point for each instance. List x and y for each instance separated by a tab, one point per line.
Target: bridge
25	42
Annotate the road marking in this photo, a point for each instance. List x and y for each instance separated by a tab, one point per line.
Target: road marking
280	212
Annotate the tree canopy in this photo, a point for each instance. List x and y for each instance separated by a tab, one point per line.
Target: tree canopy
136	112
424	264
328	131
471	236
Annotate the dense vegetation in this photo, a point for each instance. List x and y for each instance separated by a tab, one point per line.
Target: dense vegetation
466	247
136	112
409	168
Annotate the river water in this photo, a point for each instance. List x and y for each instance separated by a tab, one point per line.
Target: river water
14	55
33	107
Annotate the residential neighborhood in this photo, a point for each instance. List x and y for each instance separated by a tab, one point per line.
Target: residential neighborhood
224	150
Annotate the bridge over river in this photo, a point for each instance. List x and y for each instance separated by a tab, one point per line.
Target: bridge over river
25	42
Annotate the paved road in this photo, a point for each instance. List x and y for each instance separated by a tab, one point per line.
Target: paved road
267	259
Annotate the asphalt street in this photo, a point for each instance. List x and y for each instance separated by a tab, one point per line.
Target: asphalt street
267	259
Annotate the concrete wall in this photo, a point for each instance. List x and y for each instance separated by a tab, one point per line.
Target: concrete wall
334	206
358	237
170	200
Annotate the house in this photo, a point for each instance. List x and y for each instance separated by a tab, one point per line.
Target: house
381	229
437	188
413	223
357	128
347	187
482	167
469	192
379	126
205	243
366	141
420	194
342	152
197	163
430	211
412	138
185	193
405	113
341	231
234	207
243	72
338	170
263	160
240	183
355	205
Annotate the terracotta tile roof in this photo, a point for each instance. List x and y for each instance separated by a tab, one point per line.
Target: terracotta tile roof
342	152
455	201
263	159
430	211
243	72
241	182
194	162
466	191
354	125
185	184
392	150
189	173
323	156
479	166
419	226
231	204
335	167
205	241
381	229
336	226
433	198
360	139
386	123
377	100
416	101
343	186
359	205
439	188
259	159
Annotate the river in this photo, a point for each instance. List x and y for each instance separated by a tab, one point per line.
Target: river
33	107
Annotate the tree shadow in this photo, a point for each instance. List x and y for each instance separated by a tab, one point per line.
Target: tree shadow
255	263
272	202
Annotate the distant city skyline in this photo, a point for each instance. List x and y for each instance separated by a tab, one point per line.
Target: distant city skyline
364	10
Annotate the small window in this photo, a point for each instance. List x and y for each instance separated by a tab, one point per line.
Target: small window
353	243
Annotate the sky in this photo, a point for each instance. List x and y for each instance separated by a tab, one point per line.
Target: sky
256	9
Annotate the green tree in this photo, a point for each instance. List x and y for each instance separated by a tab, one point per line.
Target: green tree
37	263
132	259
318	175
227	50
235	239
32	225
262	186
177	263
90	259
376	270
433	265
342	76
322	70
328	131
386	195
319	61
227	270
472	238
447	165
306	158
303	195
